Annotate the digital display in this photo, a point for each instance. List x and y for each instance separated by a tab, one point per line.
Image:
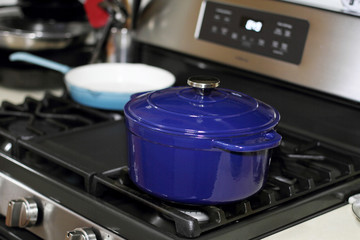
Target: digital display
251	24
263	33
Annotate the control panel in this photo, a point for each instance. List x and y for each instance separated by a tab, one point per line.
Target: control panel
267	34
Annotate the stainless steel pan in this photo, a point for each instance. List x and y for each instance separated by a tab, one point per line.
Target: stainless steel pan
18	33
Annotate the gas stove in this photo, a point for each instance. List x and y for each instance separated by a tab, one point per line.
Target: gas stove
73	159
64	169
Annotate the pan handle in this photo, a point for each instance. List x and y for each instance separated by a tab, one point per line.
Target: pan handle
30	58
259	142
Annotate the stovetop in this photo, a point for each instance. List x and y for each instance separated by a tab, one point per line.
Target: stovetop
78	156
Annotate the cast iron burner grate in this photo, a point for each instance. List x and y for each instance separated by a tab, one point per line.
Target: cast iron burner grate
84	151
299	167
52	114
35	118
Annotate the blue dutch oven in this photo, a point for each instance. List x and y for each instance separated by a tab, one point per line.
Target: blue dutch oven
200	144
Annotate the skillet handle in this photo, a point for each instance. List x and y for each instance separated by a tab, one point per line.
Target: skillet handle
43	62
254	143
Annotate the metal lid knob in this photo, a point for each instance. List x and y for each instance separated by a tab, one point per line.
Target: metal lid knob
203	84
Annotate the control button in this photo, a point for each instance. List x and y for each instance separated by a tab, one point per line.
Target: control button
224	31
287	33
278	31
234	35
261	42
246	44
284	47
22	213
227	19
278	52
275	44
81	234
217	17
285	25
214	29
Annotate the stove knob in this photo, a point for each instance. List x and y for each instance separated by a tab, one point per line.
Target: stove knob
351	6
81	234
22	213
355	202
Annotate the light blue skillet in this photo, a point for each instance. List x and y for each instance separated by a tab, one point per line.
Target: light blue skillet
103	85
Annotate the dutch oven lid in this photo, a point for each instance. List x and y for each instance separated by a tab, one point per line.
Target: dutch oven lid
201	110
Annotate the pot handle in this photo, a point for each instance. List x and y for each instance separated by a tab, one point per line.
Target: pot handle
255	143
36	60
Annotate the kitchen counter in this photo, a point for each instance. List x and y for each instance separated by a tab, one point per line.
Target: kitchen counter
338	224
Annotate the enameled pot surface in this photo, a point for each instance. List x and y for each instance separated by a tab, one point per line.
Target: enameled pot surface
186	111
192	176
198	145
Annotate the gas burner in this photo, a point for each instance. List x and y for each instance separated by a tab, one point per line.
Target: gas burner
288	179
51	115
24	126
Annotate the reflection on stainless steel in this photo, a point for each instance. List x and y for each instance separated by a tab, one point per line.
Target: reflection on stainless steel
57	220
326	5
120	46
200	216
18	33
329	54
203	82
351	7
81	233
